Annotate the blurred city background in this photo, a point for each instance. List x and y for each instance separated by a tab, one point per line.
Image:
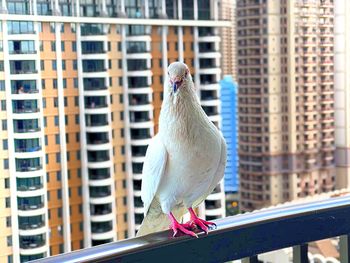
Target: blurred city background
81	87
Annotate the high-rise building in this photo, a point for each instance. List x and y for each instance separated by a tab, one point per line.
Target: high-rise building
81	85
286	103
229	115
342	93
228	38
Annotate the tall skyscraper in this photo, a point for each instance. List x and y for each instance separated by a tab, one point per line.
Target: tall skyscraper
81	85
286	103
229	114
342	93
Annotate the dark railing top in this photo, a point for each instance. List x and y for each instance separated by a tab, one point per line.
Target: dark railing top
236	237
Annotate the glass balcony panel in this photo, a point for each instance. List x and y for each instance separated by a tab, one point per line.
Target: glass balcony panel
140	134
139	116
98	156
137	168
99	191
134	9
30	222
20	27
138	219
206	47
28	164
210	111
18	7
92	47
207	79
30	203
100	209
94	65
137	187
92	29
138	202
101	227
29	184
137	30
25	106
94	84
95	120
208	95
97	138
29	242
21	47
23	86
171	9
44	8
138	82
207	63
204	10
89	8
22	67
139	99
138	150
30	125
27	145
66	8
95	102
187	9
97	174
137	64
101	242
136	47
113	8
26	258
205	31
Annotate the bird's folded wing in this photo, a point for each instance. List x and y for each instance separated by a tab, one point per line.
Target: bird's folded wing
153	170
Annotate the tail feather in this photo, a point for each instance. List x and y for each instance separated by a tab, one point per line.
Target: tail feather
155	220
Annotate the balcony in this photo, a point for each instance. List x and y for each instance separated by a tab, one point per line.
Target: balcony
98	156
100	209
137	30
23	126
96	120
25	106
92	30
23	87
30	222
20	27
90	66
99	174
28	164
92	47
243	236
99	191
30	242
27	145
29	184
94	84
22	47
22	67
95	102
97	138
136	47
101	227
30	203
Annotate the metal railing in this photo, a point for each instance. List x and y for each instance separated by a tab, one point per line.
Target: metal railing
239	237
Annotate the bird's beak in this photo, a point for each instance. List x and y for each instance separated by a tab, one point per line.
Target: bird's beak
175	87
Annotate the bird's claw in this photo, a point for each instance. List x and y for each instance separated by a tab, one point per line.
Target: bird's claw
182	228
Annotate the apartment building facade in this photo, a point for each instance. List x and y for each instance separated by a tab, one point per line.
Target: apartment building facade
286	100
81	86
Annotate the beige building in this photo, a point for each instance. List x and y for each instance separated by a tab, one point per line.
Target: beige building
342	92
81	85
286	103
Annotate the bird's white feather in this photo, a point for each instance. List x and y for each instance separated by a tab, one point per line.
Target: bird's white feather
153	170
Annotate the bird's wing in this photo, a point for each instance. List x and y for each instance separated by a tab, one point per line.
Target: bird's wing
153	170
219	174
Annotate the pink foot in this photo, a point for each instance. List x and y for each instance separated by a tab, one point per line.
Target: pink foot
176	226
200	223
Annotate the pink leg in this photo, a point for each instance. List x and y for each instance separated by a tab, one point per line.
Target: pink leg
196	221
176	226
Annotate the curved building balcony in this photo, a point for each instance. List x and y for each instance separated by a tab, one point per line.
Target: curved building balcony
210	102
140	140
31	245
102	230
32	229
103	236
99	174
209	70
143	55
101	182
101	200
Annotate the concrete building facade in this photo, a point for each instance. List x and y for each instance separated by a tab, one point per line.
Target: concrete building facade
286	100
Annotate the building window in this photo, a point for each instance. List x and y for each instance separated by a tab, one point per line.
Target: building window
58	157
63	65
7	183
6	163
54	65
7	202
59	194
2	85
55	102
4	125
4	144
9	241
74	46
76	101
8	221
54	83
64	83
76	83
75	65
53	46
62	46
56	120
58	176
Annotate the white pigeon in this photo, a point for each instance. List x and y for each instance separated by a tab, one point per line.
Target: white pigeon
184	162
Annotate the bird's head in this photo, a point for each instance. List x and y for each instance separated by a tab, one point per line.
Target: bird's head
178	75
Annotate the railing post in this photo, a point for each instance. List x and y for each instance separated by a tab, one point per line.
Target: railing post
300	254
253	259
344	248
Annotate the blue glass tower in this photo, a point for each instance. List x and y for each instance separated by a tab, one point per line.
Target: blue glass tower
229	94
